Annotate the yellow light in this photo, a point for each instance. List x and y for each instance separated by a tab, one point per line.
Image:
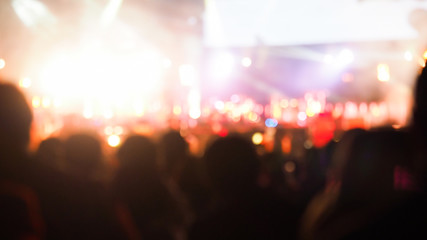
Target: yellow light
36	102
108	130
114	140
425	55
284	103
257	138
2	63
294	102
118	130
383	71
177	110
46	102
25	83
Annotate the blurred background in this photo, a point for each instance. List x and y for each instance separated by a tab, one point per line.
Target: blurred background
214	66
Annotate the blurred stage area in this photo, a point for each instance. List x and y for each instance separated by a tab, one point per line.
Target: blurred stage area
214	66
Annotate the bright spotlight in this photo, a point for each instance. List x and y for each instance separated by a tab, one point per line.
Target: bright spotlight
345	57
25	83
32	12
246	62
222	64
194	104
113	140
408	56
383	72
110	12
425	55
187	74
257	138
36	102
328	59
2	63
302	116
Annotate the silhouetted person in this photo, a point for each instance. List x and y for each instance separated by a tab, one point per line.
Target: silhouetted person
83	155
51	152
242	209
20	214
183	172
139	187
363	202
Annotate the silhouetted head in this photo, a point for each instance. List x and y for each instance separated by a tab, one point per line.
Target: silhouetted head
369	170
137	152
232	164
173	151
15	119
83	154
420	106
51	152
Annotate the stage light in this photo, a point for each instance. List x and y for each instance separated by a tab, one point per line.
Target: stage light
25	83
408	56
32	12
2	63
425	55
36	102
114	140
187	74
108	114
167	63
246	62
271	123
257	138
110	12
328	59
345	57
302	116
177	110
194	104
108	130
46	102
383	72
219	105
222	65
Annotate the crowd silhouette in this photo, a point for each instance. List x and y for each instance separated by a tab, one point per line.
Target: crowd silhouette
371	184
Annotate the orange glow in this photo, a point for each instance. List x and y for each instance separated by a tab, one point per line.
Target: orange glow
286	144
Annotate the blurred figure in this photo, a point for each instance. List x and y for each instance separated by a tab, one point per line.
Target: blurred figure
20	213
242	210
83	155
360	200
51	153
183	172
140	190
